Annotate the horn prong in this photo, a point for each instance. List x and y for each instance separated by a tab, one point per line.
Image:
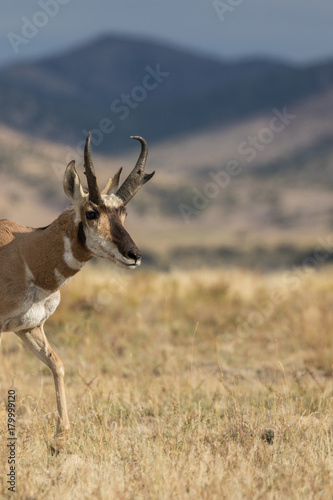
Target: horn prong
137	177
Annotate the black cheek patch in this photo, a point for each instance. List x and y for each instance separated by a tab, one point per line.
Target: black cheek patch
81	235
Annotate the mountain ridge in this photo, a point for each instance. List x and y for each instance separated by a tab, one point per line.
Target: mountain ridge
109	79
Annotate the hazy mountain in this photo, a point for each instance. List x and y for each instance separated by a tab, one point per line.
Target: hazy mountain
195	112
131	86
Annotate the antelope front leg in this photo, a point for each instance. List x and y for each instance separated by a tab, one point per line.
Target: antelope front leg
37	342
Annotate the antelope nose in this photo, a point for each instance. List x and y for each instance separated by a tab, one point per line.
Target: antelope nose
135	255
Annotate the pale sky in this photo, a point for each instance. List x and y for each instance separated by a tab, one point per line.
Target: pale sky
296	30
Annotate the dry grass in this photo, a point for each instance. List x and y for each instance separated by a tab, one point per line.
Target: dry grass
182	385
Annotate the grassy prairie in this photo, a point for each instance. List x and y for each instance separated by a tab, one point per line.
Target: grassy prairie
210	384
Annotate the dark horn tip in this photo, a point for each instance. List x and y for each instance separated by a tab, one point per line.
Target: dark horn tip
87	145
147	177
138	138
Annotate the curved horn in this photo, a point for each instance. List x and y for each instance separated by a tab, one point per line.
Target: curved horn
137	177
94	192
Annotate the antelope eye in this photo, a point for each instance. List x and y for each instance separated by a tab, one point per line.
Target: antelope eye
90	215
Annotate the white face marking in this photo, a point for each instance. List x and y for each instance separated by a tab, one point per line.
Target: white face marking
112	200
99	245
106	249
102	246
69	258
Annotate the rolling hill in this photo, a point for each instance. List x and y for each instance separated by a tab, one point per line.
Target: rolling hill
203	115
122	86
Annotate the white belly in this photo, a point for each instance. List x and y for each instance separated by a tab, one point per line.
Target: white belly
38	306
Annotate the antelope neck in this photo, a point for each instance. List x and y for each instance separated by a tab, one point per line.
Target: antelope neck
61	252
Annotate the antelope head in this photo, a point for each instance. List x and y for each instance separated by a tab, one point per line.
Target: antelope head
100	215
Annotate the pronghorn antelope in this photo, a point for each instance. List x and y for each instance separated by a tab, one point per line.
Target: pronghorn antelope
36	263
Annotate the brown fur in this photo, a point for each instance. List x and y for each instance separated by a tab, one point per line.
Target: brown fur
12	272
35	263
22	245
43	264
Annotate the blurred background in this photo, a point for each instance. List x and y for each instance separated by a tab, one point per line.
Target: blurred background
234	98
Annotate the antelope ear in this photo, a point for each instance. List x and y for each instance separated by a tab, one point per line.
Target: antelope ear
112	184
73	187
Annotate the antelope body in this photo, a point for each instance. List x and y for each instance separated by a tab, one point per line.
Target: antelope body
36	263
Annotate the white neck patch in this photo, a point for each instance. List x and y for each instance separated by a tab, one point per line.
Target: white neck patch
61	280
69	258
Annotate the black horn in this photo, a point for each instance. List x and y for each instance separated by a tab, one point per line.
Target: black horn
137	177
94	192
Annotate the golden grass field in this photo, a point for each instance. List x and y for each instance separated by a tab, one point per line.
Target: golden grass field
210	384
